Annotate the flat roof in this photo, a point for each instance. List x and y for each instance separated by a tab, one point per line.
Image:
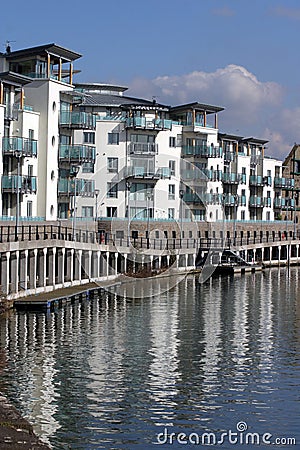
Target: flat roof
54	49
197	106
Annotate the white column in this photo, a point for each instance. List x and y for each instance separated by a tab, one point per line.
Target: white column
5	272
14	271
116	263
33	268
23	269
107	263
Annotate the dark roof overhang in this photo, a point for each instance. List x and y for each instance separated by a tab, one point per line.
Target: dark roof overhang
52	49
14	79
202	107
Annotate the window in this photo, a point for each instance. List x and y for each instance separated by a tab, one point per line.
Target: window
171	213
87	167
112	190
171	192
190	234
268	215
143	138
113	138
112	164
242	215
87	211
29	209
88	137
31	134
111	211
119	234
172	141
30	170
172	167
156	234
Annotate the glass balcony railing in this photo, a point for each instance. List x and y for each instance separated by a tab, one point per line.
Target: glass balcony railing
230	178
143	172
77	153
213	175
204	151
267	202
148	123
23	184
242	200
77	120
19	146
193	175
229	156
84	187
284	182
256	180
256	202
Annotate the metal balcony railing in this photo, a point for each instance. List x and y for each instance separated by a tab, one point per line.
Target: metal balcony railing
77	153
19	146
21	184
77	120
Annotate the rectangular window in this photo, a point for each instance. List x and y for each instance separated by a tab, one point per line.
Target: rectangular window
171	192
172	141
113	138
112	164
111	211
88	137
242	215
88	167
143	138
87	211
29	209
31	134
112	190
171	213
268	215
30	170
120	234
172	167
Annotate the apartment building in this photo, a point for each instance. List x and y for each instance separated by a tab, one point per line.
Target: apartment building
91	150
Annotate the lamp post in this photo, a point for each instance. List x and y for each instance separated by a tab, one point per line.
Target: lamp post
236	202
149	197
128	186
96	192
181	193
18	155
73	174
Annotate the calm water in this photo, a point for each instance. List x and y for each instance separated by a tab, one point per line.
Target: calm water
113	372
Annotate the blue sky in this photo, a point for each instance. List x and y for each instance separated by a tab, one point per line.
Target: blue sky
239	54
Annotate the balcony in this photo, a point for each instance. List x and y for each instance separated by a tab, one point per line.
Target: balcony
202	151
148	124
279	203
229	157
288	183
145	173
21	184
202	198
242	200
256	180
11	112
193	175
19	146
213	175
138	148
230	178
84	188
256	202
77	120
268	202
230	200
77	153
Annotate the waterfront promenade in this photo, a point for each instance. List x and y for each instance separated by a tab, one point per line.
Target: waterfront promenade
38	259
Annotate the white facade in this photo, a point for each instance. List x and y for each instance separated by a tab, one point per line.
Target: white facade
103	154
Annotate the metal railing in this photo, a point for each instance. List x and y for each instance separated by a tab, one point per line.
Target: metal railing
19	146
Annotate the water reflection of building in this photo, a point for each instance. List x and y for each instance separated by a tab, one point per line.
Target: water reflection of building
163	370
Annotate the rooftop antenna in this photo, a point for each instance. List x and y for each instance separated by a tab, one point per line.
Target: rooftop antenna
8	46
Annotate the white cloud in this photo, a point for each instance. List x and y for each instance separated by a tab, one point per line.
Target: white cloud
283	11
252	107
